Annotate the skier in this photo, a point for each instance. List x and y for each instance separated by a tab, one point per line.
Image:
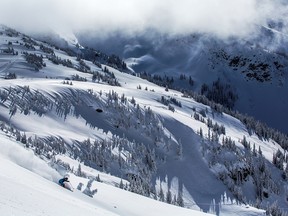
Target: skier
64	182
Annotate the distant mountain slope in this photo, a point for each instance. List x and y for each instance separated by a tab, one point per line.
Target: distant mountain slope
162	142
256	68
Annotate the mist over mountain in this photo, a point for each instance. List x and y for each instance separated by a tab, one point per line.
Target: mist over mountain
222	19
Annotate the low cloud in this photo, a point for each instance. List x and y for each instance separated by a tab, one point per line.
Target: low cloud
222	18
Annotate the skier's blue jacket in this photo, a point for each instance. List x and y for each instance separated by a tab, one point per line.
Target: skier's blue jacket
61	181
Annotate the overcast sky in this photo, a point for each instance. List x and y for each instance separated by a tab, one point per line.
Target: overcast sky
223	18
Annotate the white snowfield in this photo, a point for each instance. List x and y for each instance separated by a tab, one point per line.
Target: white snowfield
29	188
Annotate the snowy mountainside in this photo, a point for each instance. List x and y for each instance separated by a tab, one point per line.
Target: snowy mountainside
28	189
164	144
253	67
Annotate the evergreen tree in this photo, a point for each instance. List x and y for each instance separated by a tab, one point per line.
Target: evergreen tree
121	185
80	185
98	178
254	150
133	101
201	133
286	172
260	151
24	139
180	201
79	171
169	197
180	150
161	194
174	202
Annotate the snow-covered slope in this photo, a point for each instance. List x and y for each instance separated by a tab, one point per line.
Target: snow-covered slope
253	67
169	147
28	187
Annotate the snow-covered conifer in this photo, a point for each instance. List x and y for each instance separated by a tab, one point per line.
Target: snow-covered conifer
161	194
98	178
180	149
79	171
180	201
80	185
169	197
121	185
